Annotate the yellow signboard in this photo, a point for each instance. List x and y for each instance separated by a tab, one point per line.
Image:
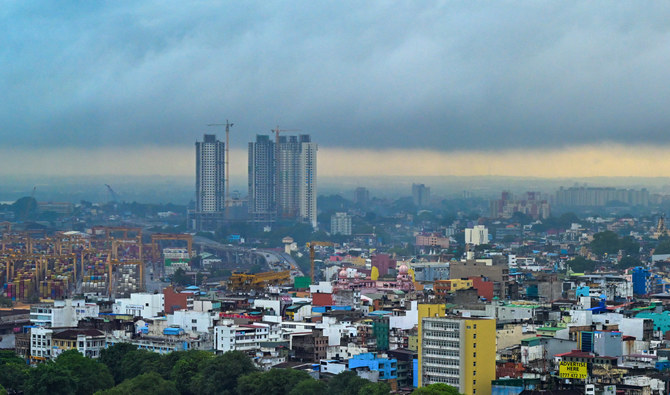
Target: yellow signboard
572	370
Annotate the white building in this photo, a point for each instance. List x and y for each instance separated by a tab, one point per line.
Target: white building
62	313
477	235
308	181
40	343
340	224
229	337
210	154
142	304
193	321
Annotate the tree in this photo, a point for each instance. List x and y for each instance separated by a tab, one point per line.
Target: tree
186	367
379	388
113	358
609	243
272	382
138	362
663	247
13	371
606	242
436	389
148	383
89	375
48	379
181	278
346	383
219	375
628	262
580	265
309	387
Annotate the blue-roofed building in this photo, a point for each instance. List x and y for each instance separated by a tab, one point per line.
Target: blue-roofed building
387	368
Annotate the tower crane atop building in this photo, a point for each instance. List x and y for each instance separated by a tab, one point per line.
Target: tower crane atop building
226	169
276	131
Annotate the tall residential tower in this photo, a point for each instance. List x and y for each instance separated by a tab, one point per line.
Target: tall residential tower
210	199
262	180
282	179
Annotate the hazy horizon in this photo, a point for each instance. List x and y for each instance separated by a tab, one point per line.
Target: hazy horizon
180	190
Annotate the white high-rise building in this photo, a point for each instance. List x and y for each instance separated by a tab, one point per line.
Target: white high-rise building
210	176
340	224
282	179
477	235
307	181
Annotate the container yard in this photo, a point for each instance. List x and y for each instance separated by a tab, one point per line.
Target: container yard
104	261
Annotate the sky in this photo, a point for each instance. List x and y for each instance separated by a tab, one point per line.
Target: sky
522	88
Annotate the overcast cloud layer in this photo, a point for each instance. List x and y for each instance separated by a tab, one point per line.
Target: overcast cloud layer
425	75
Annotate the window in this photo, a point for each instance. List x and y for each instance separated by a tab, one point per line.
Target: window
475	326
474	363
474	355
474	335
474	345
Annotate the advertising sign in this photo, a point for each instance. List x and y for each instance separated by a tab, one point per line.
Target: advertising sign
572	370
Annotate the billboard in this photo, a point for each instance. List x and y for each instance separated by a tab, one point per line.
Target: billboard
572	370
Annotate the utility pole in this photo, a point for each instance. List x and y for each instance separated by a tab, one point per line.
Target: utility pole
226	163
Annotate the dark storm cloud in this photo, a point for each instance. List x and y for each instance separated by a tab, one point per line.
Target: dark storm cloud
439	75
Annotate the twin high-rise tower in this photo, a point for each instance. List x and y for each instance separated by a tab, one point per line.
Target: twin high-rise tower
282	181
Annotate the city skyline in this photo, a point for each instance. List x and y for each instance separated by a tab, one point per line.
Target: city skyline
433	83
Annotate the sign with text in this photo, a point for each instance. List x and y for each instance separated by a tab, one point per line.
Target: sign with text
572	370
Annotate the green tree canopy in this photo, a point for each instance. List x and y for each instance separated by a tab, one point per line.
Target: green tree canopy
608	242
272	382
89	375
13	371
580	265
147	384
181	278
186	367
113	358
379	388
663	247
628	262
346	383
309	387
50	378
219	375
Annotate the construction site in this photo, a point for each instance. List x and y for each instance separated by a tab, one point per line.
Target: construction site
102	262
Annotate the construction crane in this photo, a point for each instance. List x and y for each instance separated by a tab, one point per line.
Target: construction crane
311	245
115	197
226	162
276	131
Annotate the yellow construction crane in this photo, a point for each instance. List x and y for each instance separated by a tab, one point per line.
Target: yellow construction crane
311	245
247	282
